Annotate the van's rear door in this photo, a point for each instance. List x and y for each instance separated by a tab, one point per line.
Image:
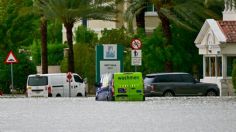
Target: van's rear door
37	86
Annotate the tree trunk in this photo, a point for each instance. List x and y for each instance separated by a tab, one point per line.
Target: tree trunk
69	35
165	23
44	55
140	20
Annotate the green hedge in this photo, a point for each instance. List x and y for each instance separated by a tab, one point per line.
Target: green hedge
84	57
234	75
55	53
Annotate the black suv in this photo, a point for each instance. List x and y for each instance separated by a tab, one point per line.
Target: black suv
177	84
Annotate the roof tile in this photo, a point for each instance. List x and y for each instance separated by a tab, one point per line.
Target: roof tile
229	29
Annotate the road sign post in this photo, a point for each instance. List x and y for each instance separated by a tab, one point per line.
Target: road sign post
69	77
11	59
136	53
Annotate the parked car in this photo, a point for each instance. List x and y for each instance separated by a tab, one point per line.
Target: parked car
177	84
104	88
126	86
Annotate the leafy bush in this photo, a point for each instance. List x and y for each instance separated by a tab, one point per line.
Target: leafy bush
55	53
84	57
115	36
21	71
234	75
83	35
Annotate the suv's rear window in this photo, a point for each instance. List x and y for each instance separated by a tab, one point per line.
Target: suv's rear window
38	81
149	79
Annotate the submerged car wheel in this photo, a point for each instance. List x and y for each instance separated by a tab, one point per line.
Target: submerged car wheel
58	95
49	95
211	93
168	94
79	95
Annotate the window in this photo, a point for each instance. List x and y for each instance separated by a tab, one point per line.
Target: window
38	81
230	60
219	66
168	78
162	78
186	78
150	7
149	79
213	66
78	79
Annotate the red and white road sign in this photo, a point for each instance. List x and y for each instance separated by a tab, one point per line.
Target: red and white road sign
69	75
136	44
10	58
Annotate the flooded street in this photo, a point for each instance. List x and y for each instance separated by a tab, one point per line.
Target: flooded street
179	114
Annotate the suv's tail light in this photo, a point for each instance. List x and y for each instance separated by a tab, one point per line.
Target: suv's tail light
49	89
152	87
112	90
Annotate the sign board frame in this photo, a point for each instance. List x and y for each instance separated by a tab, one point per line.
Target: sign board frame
11	58
136	44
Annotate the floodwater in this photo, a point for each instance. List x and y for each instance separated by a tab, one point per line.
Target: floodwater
177	114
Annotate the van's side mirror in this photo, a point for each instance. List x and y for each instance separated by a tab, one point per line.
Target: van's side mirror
85	80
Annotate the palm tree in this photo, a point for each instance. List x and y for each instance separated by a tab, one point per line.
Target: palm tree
71	11
43	31
189	14
136	9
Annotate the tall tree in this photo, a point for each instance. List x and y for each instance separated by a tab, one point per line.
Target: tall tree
43	31
136	9
15	29
71	11
189	14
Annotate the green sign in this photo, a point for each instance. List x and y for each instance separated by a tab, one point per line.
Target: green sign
109	59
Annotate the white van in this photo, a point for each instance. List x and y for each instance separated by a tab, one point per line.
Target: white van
55	85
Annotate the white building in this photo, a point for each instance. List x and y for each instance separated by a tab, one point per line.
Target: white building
216	41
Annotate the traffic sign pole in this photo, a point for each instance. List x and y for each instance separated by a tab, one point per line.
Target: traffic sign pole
136	52
69	89
10	59
12	82
69	77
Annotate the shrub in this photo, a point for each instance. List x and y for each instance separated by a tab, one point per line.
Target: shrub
84	57
55	53
21	71
234	75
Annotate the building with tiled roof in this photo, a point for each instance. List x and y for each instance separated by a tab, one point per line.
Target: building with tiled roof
216	41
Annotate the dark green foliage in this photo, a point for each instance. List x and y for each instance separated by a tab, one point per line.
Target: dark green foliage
35	50
83	35
54	32
121	37
84	63
15	29
21	71
182	52
115	36
55	53
234	75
